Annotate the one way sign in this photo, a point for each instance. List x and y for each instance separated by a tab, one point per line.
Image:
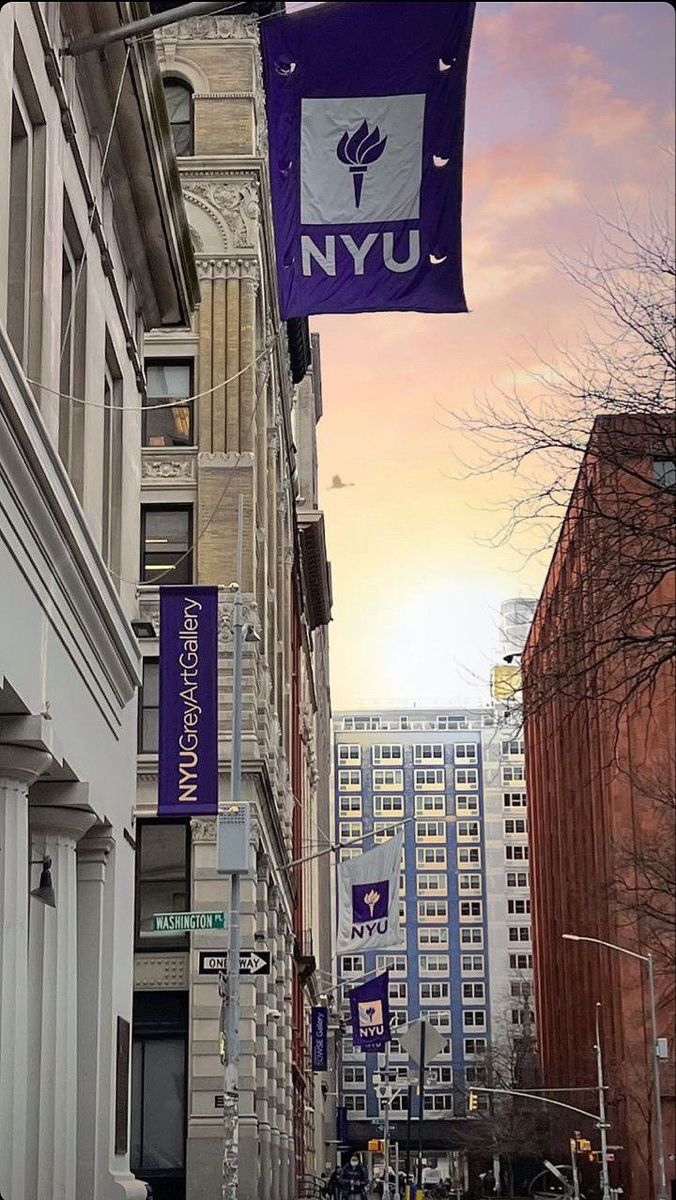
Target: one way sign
251	962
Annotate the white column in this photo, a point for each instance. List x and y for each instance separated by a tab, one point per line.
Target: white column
273	1043
264	1082
52	1008
19	767
92	852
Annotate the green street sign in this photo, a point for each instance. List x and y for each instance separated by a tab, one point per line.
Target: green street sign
185	922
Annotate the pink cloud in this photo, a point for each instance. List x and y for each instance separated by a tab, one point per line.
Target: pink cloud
518	180
594	112
533	37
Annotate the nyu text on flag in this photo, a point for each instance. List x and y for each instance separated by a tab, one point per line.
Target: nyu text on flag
368	899
366	109
370	1012
188	702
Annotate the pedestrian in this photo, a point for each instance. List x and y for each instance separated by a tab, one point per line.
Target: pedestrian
353	1179
332	1184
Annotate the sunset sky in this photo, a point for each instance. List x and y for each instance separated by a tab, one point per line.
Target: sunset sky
569	105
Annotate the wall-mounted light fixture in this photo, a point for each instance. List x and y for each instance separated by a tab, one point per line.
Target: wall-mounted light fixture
44	892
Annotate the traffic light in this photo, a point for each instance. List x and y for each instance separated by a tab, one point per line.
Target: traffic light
472	1102
377	1145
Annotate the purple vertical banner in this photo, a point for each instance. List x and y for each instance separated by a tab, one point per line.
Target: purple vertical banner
188	719
341	1124
320	1022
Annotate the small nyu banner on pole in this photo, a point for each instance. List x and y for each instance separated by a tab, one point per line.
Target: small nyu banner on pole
368	900
320	1024
188	702
366	110
370	1011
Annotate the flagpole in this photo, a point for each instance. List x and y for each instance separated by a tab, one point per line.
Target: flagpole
298	862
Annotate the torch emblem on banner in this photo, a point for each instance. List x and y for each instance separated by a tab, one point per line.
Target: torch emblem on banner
358	151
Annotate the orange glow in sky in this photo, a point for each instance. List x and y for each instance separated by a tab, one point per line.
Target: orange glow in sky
569	106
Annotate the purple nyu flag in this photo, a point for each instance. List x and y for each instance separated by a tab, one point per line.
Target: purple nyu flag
188	718
370	1010
366	113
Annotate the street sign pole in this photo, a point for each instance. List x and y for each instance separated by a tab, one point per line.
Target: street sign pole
421	1101
408	1141
602	1124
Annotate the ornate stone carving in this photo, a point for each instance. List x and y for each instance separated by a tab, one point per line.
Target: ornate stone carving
210	28
236	203
225	615
228	268
161	468
153	971
197	243
203	830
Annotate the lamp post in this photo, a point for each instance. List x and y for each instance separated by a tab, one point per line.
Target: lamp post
602	1123
646	958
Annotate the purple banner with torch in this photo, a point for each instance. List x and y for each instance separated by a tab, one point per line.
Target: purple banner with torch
188	702
370	1010
366	107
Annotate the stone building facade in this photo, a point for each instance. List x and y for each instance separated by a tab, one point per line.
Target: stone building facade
90	259
254	437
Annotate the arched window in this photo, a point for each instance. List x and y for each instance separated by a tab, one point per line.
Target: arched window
178	96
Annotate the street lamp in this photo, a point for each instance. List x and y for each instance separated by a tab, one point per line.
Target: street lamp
646	958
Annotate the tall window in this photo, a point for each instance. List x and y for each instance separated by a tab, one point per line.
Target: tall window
158	1091
168	379
111	505
166	535
162	879
178	96
26	221
148	712
72	347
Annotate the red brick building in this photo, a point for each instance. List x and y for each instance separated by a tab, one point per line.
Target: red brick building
599	687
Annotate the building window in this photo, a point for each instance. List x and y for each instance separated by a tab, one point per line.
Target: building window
468	831
113	452
477	1075
430	831
383	830
349	781
517	879
465	752
425	805
432	910
355	1104
158	1089
471	910
514	800
349	852
166	539
354	1076
162	879
171	425
26	226
435	964
471	936
434	856
178	96
469	856
514	773
72	340
664	472
429	752
149	707
387	754
469	881
515	825
522	1016
388	806
519	933
398	992
430	993
349	806
474	1047
466	777
518	906
473	991
516	853
513	749
435	777
473	1018
348	753
394	963
432	937
388	779
472	964
467	806
521	962
432	883
438	1101
350	831
352	964
348	1049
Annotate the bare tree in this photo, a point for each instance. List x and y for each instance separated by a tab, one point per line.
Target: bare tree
591	439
